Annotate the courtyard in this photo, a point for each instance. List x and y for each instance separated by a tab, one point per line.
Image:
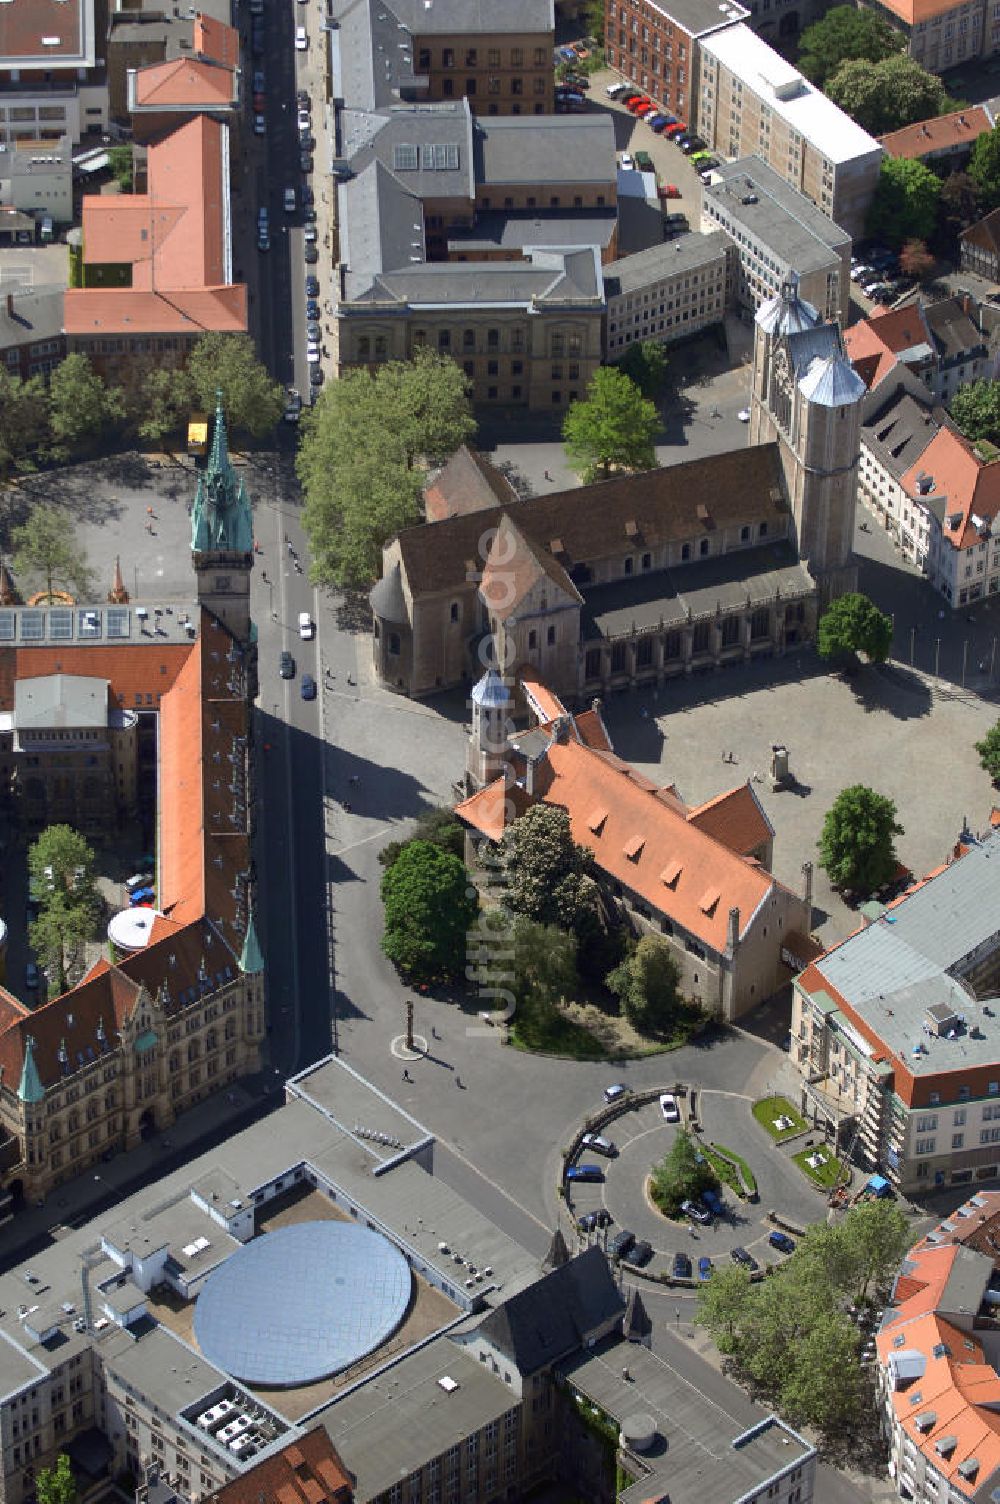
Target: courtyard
710	733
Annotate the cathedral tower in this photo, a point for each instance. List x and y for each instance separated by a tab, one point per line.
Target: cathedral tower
222	537
806	397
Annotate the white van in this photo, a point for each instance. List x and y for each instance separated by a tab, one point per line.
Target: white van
306	626
301	40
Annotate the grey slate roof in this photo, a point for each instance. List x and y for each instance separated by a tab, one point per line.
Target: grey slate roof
794	230
832	382
381	227
410	134
466	17
567	278
545	149
512	230
554	1316
892	971
372	54
60	700
954	332
34	315
387	598
899	432
966	1284
684	254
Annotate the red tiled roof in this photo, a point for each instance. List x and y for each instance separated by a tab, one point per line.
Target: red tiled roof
514	565
926	136
217	41
969	487
307	1471
591	730
736	818
184	81
24	24
467	483
101	310
543	704
641	842
147	669
915	11
874	344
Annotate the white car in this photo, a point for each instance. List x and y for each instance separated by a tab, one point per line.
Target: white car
744	415
259	125
669	1108
289	200
305	119
613	91
598	1144
301	40
312	354
861	272
310	234
626	162
306	626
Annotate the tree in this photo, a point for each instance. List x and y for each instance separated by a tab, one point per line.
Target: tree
842	34
682	1175
984	169
61	872
613	426
81	406
645	365
120	162
439	825
58	936
429	906
55	1485
24	422
860	1255
228	363
425	405
356	460
547	876
163	400
959	206
975	407
45	545
856	844
853	624
989	752
647	986
724	1304
915	260
905	203
886	95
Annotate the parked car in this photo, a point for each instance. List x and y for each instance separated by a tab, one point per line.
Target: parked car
584	1172
781	1241
301	40
669	190
305	162
578	81
744	415
696	1211
307	688
619	1245
669	1108
599	1144
310	255
567	54
641	1253
304	98
31	975
286	665
740	1256
312	287
626	163
705	1268
312	309
316	376
293	406
656	123
644	161
681	1266
310	232
679	221
615	91
614	1093
141	896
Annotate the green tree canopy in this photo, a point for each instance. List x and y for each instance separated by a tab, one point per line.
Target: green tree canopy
975	407
681	1175
228	363
647	986
55	1485
984	169
45	547
439	825
887	95
61	872
853	624
905	204
81	406
24	422
122	170
856	844
845	33
989	752
547	876
959	207
160	403
613	426
645	364
356	459
428	911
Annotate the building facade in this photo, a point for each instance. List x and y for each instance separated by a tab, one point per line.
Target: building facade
979	247
176	1012
774	233
753	103
656	46
32	341
665	293
943	34
896	1025
38	180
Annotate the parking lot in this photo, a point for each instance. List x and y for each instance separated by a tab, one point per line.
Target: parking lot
642	1138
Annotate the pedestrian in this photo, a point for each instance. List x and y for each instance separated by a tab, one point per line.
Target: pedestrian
547	475
458	1083
407	1076
263	575
347	807
354	778
434	1033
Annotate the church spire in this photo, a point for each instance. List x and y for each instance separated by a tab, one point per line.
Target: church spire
218	460
251	956
31	1089
118	595
221	520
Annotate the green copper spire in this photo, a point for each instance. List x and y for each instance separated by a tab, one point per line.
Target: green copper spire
31	1089
221	520
251	956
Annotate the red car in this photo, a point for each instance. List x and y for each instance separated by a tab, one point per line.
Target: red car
669	190
635	105
676	129
645	109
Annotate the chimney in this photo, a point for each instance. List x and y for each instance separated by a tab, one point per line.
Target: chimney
595	704
10	305
733	933
807	886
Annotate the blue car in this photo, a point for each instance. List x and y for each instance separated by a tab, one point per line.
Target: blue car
713	1201
584	1172
781	1241
657	123
307	688
141	896
705	1268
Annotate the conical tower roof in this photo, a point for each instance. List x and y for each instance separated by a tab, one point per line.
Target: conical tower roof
31	1089
558	1253
636	1325
251	956
118	595
221	520
490	692
786	312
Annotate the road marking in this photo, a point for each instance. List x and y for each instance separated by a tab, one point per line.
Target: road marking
363	840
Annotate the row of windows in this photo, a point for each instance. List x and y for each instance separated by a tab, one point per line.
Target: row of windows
701	643
494	57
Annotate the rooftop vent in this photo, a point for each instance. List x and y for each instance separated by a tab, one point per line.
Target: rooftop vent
448	1384
945	1445
926	1421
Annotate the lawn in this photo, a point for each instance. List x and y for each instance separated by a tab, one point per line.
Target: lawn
825	1175
725	1171
550	1032
769	1109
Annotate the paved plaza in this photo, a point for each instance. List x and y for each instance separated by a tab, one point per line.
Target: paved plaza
898	731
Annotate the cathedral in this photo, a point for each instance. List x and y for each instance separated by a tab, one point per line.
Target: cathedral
174	1009
641	578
